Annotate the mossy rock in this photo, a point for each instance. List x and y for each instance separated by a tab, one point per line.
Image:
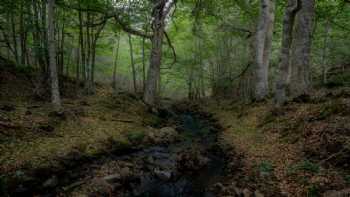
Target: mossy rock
135	136
153	121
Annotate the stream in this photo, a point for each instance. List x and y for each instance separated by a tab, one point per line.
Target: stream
189	167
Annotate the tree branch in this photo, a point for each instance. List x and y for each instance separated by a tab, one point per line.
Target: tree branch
130	30
171	47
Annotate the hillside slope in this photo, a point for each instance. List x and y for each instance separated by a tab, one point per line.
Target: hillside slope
301	149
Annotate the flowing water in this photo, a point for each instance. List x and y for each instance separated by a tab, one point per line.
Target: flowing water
187	168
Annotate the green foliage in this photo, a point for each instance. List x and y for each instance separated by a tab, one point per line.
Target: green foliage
304	166
347	179
313	191
335	107
153	121
341	79
136	136
25	69
265	168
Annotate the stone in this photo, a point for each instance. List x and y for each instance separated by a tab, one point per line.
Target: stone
51	182
163	175
125	172
258	194
219	187
112	178
334	193
247	193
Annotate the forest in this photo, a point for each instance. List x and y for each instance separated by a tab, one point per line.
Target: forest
175	98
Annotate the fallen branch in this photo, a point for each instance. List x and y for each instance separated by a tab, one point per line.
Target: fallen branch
8	125
342	151
121	120
74	185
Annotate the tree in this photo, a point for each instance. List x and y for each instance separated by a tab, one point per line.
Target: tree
301	49
115	61
263	48
160	12
132	63
287	37
55	93
296	50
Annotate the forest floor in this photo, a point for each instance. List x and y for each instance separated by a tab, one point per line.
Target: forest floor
301	149
113	144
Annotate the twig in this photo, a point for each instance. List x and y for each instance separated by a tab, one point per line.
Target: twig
126	121
8	125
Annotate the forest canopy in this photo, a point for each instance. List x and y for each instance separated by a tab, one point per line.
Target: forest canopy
244	49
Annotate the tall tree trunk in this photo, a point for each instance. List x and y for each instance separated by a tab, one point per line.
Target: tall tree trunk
160	12
263	47
77	68
115	64
55	93
14	37
132	64
88	56
151	91
287	38
82	45
143	65
325	52
44	34
23	34
301	49
62	43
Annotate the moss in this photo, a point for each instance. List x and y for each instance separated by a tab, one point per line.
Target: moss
304	166
265	168
313	191
347	179
152	120
334	107
86	133
136	136
342	79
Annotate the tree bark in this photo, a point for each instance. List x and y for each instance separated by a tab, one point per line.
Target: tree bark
132	63
263	47
143	65
325	52
160	12
287	38
55	93
23	35
14	37
95	38
82	46
301	49
115	65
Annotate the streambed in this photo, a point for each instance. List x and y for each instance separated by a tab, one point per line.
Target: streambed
188	167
